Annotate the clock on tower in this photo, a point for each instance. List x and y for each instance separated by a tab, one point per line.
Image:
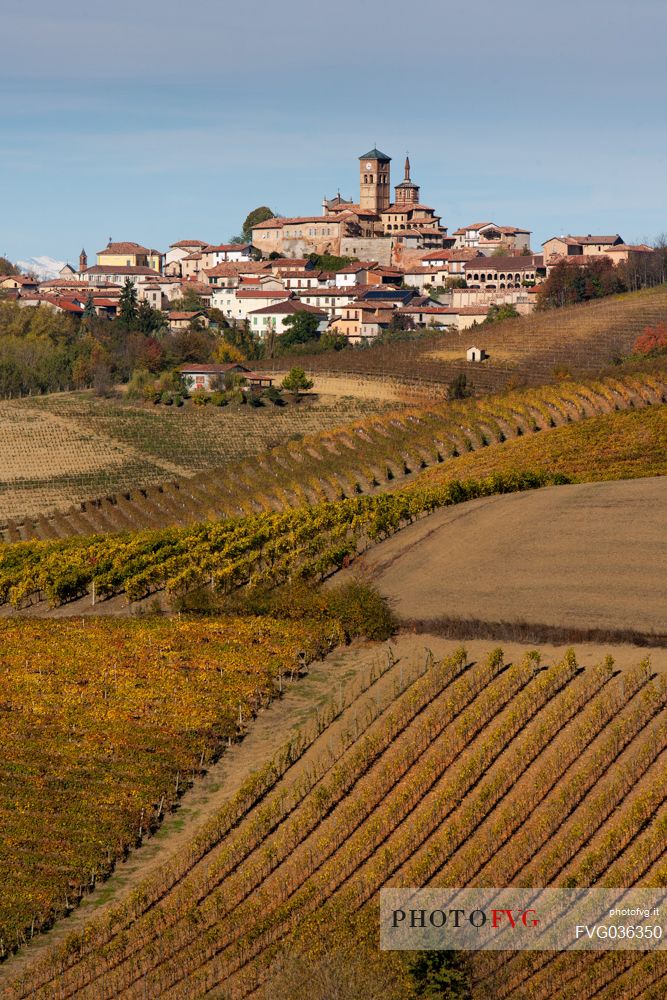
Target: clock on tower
374	181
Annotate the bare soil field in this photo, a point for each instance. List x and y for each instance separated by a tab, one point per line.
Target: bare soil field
590	555
63	448
330	387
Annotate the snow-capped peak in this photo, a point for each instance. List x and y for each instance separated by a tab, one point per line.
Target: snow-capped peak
43	267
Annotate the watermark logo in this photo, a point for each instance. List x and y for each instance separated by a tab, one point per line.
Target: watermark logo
522	919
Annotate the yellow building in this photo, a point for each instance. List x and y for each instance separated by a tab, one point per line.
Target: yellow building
129	255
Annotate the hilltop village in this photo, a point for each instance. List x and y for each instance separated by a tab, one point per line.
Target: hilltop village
357	267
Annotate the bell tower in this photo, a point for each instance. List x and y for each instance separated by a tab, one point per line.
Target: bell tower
407	193
83	261
374	181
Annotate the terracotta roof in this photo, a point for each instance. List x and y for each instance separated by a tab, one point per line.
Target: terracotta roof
186	315
107	303
635	248
301	219
265	294
270	224
195	255
189	243
568	240
437	255
231	268
63	304
591	240
225	247
21	279
126	248
287	309
501	264
359	265
122	269
408	207
423	231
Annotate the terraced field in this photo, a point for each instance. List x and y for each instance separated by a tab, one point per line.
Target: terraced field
584	339
362	457
63	448
426	780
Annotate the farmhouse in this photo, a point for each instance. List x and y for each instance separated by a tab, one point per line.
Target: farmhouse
209	377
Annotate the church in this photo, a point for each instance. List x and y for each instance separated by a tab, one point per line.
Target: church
374	217
376	209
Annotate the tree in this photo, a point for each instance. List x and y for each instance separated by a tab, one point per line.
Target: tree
652	340
300	328
459	389
497	313
439	975
127	305
571	281
329	261
502	250
89	309
188	302
261	214
297	382
150	320
7	268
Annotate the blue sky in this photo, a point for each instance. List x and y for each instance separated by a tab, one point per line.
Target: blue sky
167	121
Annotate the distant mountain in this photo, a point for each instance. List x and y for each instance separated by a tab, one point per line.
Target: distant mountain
43	267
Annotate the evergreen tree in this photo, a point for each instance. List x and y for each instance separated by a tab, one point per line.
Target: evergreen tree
439	975
127	306
89	308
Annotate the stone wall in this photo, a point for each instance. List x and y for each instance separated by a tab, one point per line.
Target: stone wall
367	248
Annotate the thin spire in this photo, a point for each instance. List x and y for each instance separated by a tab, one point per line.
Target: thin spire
407	167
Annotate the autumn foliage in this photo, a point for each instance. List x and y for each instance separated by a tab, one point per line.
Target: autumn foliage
652	340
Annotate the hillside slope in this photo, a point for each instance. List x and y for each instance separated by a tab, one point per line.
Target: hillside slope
427	785
493	560
584	339
362	457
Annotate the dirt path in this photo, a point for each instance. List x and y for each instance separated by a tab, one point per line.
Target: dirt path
591	555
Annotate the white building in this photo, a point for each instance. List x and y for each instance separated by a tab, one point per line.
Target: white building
274	317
